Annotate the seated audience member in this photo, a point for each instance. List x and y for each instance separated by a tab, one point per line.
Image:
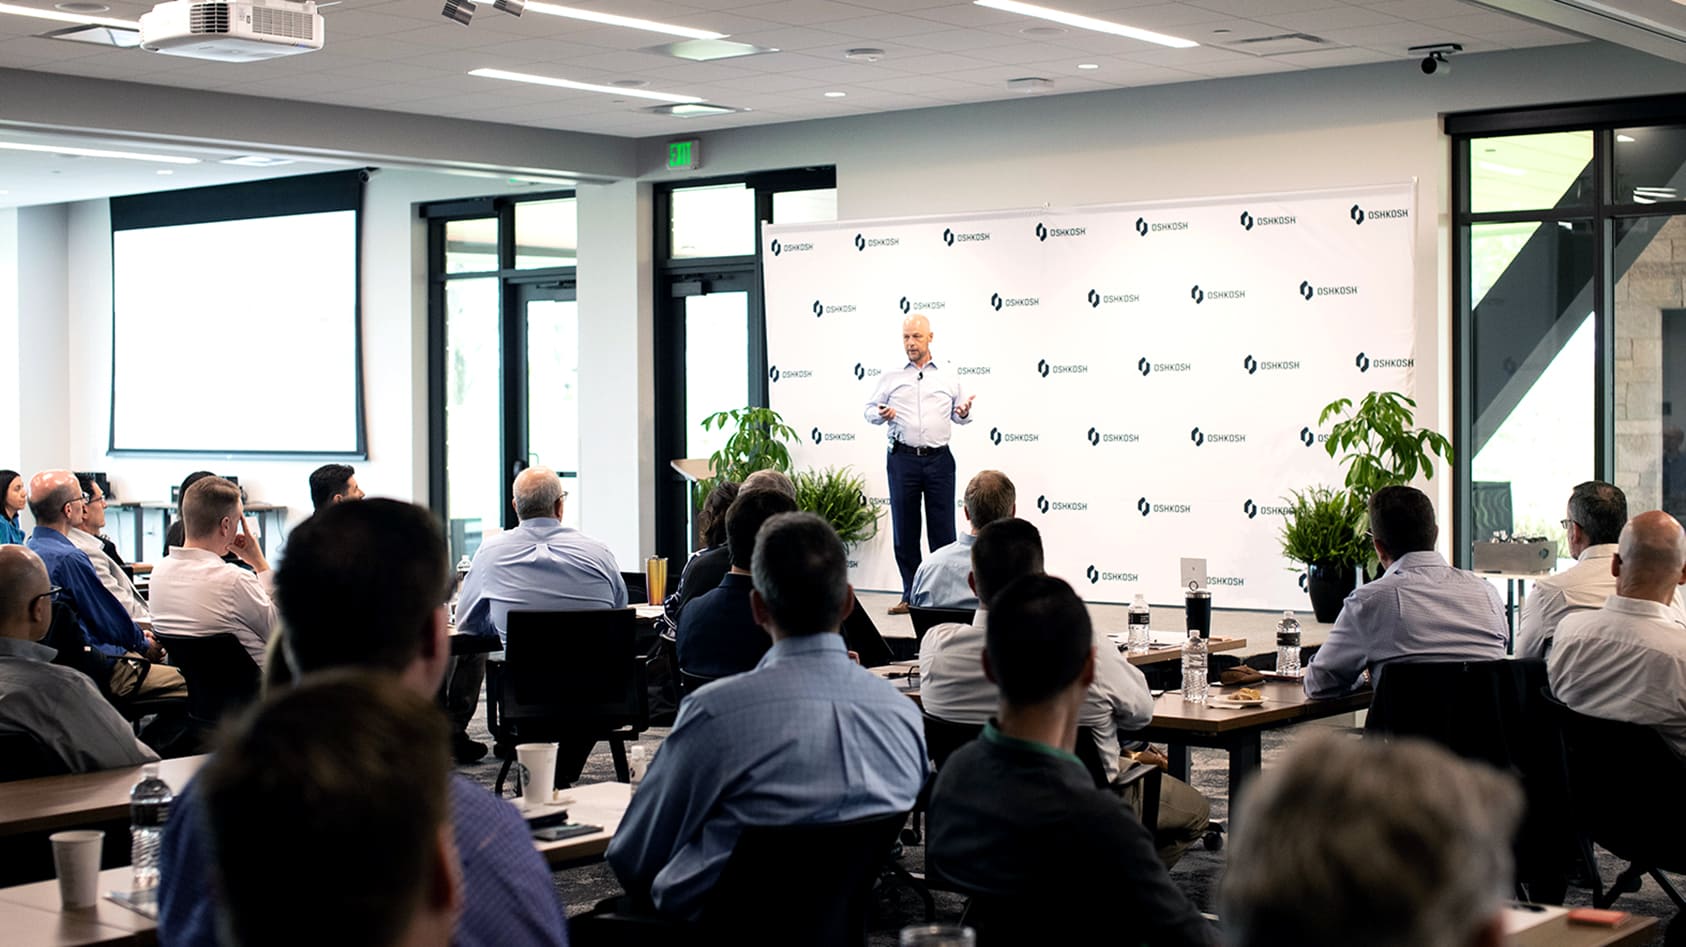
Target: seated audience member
363	587
770	479
361	759
1421	609
59	707
56	502
940	581
1395	844
953	687
174	536
1627	660
1015	818
540	565
13	499
807	737
718	634
708	565
85	535
717	566
195	593
1597	511
332	483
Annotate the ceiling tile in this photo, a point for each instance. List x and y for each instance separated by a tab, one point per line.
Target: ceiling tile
801	12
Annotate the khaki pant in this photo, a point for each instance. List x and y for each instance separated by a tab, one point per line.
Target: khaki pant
161	681
1183	816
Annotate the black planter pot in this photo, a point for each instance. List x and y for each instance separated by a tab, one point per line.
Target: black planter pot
1329	583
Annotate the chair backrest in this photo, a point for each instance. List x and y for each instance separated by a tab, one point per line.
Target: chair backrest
943	737
924	619
1090	754
580	667
801	884
23	756
1616	773
221	675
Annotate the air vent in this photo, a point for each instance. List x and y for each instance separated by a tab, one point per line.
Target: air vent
1279	44
288	24
208	18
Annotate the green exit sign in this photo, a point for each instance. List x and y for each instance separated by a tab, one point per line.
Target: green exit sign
684	155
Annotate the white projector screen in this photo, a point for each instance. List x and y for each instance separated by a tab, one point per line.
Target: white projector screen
237	336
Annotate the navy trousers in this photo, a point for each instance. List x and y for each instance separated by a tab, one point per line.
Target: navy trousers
913	478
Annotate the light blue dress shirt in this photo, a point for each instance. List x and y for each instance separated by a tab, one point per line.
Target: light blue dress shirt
807	737
926	402
540	565
941	579
1421	609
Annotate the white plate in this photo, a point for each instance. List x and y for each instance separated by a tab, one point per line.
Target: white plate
1239	702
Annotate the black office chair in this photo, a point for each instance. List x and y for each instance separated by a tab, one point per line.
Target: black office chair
783	885
943	737
1490	711
24	756
1621	777
861	636
567	677
222	678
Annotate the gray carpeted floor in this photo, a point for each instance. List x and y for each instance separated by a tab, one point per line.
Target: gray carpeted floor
1198	872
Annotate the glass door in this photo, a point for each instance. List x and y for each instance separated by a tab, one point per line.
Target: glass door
552	413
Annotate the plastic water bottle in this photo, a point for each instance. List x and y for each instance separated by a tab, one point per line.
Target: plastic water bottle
637	760
1140	619
149	809
1195	684
1288	644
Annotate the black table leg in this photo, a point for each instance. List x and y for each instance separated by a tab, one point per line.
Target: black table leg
1244	758
1177	756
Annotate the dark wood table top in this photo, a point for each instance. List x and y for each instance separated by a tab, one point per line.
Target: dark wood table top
1285	702
57	802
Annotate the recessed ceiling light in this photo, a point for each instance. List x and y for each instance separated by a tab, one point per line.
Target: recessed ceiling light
835	95
579	86
165	171
76	152
1085	22
708	50
1220	31
863	54
612	19
630	83
256	161
96	35
1088	65
82	6
1042	31
1031	85
692	110
64	17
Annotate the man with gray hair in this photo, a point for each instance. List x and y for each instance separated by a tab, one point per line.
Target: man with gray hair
769	479
1627	660
1594	520
540	565
1395	844
940	581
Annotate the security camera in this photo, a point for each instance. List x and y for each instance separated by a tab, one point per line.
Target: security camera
1436	58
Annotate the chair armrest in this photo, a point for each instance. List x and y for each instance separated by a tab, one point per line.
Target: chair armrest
1149	776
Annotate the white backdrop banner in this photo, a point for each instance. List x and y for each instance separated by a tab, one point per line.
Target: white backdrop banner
1148	375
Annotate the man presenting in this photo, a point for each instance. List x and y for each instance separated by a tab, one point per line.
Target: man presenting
919	402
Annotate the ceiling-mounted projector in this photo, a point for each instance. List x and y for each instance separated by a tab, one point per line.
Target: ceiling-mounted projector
235	31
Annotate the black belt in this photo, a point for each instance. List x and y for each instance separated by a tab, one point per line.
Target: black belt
897	447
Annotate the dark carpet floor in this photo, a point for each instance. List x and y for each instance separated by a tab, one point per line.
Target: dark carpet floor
1198	872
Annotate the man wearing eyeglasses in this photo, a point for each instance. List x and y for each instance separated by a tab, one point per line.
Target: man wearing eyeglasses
58	504
85	535
60	708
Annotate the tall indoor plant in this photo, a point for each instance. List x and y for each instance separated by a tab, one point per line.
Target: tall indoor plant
1377	445
1325	530
757	442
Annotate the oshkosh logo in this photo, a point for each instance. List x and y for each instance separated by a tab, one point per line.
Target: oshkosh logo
951	238
1141	226
1309	437
1144	366
1365	363
1196	295
1144	507
1098	437
1249	364
1200	438
779	247
1248	221
1044	368
1233	580
862	241
1045	505
1254	365
972	370
1044	232
998	301
906	305
1095	575
998	437
821	436
1359	214
862	372
1307	290
1252	509
1144	228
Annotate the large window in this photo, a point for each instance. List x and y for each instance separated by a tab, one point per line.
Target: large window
1570	320
504	356
711	339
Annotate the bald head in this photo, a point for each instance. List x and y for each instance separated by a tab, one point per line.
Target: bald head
916	338
50	492
1650	557
24	612
538	492
769	480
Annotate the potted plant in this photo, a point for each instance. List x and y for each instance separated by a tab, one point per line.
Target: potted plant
1326	530
1381	448
838	495
757	442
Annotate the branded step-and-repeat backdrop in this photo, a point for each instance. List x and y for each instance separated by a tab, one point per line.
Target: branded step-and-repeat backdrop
1149	376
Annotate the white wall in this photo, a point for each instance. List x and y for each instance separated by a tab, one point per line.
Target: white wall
43	333
11	399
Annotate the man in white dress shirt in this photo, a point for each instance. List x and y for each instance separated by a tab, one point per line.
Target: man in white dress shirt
920	402
1627	660
1597	512
195	593
953	686
84	534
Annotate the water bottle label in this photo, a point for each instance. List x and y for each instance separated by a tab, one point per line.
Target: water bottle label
149	816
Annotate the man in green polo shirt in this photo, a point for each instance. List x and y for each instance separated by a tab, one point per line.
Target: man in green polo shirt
1015	818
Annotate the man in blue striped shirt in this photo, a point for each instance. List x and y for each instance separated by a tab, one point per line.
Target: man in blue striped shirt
807	737
1421	609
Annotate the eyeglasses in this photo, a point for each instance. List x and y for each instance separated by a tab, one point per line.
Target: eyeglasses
1566	523
52	592
91	500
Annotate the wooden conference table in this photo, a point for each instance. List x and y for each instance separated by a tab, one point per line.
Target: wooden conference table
59	802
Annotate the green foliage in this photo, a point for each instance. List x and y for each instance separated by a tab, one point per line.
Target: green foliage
1325	525
1377	444
757	442
839	497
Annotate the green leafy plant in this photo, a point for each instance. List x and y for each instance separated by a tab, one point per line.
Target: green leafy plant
757	442
1325	525
1377	444
838	495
